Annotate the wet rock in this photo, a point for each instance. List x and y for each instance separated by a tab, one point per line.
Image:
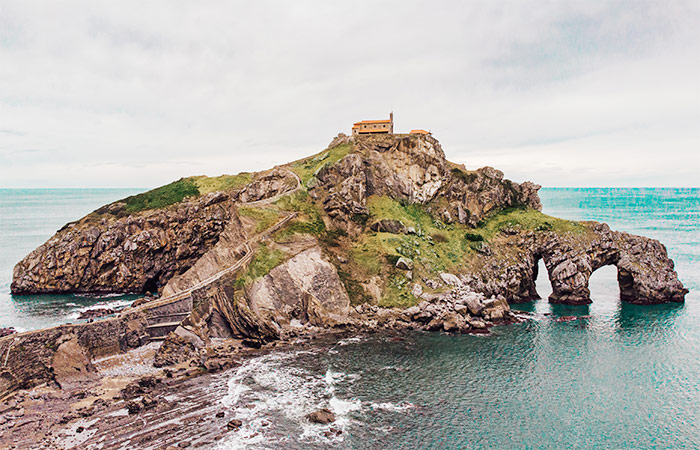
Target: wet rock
134	406
495	308
7	331
138	387
95	313
234	424
453	322
322	416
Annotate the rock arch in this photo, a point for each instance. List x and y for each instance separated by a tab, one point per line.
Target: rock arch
645	273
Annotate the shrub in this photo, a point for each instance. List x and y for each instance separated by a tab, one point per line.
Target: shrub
473	237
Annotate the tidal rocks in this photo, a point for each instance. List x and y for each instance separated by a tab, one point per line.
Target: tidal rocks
459	310
95	313
322	416
234	424
7	331
63	354
140	252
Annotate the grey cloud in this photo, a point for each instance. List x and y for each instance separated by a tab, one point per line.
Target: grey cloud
136	91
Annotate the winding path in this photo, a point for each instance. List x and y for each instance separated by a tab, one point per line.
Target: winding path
160	325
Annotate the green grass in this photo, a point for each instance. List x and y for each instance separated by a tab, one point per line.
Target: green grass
162	196
264	218
306	168
527	220
264	260
397	293
222	183
437	247
309	220
177	191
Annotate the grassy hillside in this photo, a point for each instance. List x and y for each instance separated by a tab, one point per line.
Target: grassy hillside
177	191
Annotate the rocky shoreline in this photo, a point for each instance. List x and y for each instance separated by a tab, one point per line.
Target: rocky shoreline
128	401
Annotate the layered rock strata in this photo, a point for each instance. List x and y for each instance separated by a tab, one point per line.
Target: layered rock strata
104	253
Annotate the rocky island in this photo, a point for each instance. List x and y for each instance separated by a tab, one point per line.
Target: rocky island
376	232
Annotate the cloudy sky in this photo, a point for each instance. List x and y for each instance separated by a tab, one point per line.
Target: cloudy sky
136	94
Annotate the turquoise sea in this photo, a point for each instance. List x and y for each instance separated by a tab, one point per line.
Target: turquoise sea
28	218
627	377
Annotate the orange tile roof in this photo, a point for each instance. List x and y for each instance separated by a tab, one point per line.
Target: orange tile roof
375	130
373	121
419	132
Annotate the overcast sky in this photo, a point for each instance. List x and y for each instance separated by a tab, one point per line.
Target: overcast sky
137	94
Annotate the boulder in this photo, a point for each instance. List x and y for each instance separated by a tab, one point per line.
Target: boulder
404	263
389	226
453	321
322	416
451	279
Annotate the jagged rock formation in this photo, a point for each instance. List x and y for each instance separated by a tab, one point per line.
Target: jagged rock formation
135	253
63	355
305	289
413	169
645	272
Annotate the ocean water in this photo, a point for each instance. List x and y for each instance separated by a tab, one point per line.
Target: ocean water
627	377
28	217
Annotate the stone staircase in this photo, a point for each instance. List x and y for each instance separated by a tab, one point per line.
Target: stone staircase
163	319
169	312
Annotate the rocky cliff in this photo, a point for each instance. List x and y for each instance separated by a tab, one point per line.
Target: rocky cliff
414	169
366	203
108	252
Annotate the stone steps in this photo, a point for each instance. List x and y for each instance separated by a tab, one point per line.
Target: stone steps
161	329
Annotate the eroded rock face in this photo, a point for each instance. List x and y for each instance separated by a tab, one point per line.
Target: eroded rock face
268	184
472	196
413	169
63	354
140	252
645	272
306	288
